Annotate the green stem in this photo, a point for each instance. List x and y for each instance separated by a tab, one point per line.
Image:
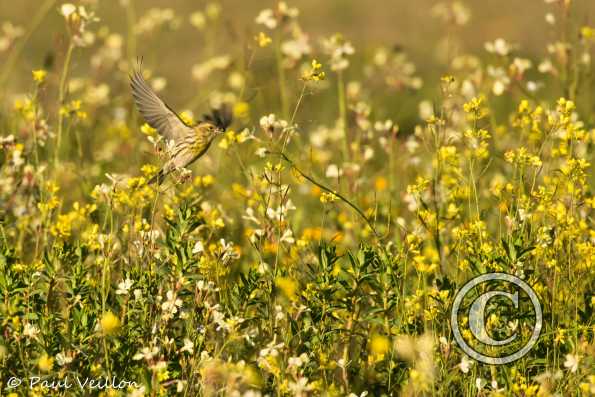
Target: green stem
343	114
281	77
61	97
104	292
328	190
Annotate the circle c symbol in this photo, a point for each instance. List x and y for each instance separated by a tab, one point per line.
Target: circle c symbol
476	321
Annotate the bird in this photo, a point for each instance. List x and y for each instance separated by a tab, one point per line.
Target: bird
190	142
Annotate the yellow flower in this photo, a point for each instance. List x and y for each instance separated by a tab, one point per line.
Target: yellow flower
187	117
241	110
328	197
263	40
39	75
198	20
379	345
45	363
315	73
287	286
380	183
109	323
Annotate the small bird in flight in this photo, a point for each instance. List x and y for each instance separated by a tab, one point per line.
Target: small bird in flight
189	142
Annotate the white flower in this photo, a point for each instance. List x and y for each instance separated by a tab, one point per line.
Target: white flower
338	48
272	349
522	65
266	18
146	353
363	394
279	313
271	125
198	248
368	153
495	387
280	213
288	237
203	70
426	110
63	359
188	346
227	251
501	79
261	152
30	331
298	361
170	307
296	48
7	140
67	9
286	11
465	364
17	159
300	387
546	66
498	47
250	216
572	361
124	287
333	171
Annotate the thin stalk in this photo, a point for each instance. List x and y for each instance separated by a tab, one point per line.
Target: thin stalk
103	302
281	78
328	190
4	239
61	97
343	113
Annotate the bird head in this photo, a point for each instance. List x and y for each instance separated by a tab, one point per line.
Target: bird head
210	129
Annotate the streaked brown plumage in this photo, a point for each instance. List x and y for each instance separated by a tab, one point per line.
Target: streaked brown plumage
189	142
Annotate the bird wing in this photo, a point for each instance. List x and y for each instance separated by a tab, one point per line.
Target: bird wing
155	111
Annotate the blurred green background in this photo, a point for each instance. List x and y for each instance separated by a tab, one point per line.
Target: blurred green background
368	24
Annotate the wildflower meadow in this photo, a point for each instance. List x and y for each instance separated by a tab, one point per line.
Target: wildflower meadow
373	168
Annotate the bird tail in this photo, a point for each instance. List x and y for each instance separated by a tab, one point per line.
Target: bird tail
158	177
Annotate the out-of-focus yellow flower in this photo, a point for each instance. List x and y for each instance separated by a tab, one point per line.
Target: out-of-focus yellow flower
263	39
109	323
328	197
39	76
315	73
379	346
187	117
45	363
198	20
288	287
380	184
241	110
